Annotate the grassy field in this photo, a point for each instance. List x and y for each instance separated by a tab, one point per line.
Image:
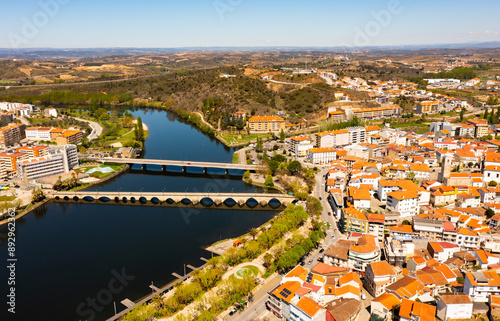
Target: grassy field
245	138
235	158
5	198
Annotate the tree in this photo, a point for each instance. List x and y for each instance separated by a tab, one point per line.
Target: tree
492	100
282	135
37	195
140	129
268	259
273	166
313	206
462	112
294	166
269	181
58	184
259	146
492	183
253	232
485	116
490	213
406	222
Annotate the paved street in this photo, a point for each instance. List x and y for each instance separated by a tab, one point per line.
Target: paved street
96	128
258	307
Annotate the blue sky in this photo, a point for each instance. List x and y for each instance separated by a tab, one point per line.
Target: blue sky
205	23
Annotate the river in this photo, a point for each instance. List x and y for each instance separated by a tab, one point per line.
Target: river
76	260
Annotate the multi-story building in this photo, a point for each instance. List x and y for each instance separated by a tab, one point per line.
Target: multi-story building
429	107
11	160
266	124
69	137
357	135
397	251
323	155
374	113
295	140
427	228
33	151
378	275
376	225
39	133
279	299
353	220
480	125
480	285
403	202
442	251
334	138
467	239
58	160
364	252
306	309
12	134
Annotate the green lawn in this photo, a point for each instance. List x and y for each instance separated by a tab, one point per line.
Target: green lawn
245	138
235	158
7	82
5	198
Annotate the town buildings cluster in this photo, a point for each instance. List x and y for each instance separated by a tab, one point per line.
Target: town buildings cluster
23	157
419	215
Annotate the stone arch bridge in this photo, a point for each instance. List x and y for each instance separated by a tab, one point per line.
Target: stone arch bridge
176	198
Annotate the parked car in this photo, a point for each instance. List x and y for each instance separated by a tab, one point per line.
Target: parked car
329	213
310	261
302	263
233	311
320	198
322	250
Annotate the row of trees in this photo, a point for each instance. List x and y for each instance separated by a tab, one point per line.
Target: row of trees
67	184
492	117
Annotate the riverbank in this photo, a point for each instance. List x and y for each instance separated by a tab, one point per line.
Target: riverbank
29	208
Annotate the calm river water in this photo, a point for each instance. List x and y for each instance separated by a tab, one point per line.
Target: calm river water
71	256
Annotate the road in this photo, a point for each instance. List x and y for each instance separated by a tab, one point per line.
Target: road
320	192
288	83
23	120
96	128
258	306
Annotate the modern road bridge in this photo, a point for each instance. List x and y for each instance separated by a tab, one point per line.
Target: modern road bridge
184	164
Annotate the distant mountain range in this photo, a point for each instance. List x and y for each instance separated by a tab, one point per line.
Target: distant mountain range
65	53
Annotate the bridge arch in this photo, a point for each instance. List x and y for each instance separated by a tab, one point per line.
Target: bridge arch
252	202
207	201
274	203
229	202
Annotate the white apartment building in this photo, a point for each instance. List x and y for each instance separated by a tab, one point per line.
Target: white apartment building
480	285
302	148
323	155
403	202
334	138
357	135
59	160
467	239
427	228
38	133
